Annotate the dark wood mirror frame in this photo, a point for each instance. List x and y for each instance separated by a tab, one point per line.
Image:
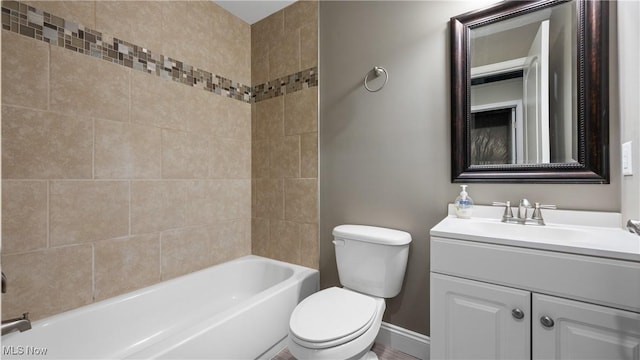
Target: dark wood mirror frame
592	98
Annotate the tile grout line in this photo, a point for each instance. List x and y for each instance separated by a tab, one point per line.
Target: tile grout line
93	272
160	275
130	206
299	156
48	244
49	79
130	117
218	222
147	124
93	149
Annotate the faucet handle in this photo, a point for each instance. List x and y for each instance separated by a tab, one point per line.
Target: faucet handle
508	212
633	226
540	206
537	213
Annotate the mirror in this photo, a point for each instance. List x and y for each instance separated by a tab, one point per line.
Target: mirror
529	91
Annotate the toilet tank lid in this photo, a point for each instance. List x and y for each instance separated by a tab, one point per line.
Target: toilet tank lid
373	234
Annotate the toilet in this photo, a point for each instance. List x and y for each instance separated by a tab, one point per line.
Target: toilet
342	323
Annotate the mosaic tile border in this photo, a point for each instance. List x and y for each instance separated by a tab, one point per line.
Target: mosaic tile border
41	25
286	85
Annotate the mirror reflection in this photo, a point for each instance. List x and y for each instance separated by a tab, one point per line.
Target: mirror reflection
523	89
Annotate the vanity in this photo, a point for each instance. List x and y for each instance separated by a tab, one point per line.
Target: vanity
566	290
569	289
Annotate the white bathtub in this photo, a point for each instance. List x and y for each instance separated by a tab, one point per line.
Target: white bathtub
236	310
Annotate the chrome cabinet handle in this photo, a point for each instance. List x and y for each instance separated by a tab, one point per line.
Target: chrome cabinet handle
517	313
547	322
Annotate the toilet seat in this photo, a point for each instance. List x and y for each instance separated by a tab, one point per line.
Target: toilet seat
332	317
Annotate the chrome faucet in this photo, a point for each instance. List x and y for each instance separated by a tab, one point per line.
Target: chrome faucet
634	226
21	324
523	207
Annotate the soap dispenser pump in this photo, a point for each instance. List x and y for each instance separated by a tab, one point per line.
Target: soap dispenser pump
464	204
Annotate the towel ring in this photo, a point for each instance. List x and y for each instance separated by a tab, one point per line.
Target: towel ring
377	70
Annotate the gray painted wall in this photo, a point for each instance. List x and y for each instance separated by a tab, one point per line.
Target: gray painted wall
385	156
628	13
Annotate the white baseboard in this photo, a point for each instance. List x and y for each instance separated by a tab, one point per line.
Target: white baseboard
407	341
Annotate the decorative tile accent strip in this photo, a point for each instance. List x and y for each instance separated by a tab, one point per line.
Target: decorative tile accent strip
40	25
286	85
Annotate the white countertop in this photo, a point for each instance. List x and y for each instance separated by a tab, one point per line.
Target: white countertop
578	232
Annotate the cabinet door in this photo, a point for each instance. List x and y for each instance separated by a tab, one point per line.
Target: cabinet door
475	320
577	330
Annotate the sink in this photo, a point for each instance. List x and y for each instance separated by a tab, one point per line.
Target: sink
603	241
487	227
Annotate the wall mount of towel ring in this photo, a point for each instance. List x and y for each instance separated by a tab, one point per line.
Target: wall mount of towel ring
377	71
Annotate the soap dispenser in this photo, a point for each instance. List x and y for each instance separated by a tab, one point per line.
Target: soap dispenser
464	204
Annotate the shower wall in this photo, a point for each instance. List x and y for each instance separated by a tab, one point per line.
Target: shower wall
284	59
126	147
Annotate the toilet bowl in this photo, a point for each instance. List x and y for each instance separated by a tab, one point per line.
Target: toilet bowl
335	323
342	323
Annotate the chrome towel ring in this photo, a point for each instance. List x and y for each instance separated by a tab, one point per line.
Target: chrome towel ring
377	70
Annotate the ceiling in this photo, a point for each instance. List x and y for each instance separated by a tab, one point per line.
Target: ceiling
252	11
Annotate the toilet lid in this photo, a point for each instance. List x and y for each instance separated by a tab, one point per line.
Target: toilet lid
332	316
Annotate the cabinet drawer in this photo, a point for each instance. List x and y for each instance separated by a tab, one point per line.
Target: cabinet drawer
608	282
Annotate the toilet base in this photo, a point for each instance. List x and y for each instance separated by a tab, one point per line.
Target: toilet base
370	355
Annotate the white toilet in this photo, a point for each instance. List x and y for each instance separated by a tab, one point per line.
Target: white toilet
342	323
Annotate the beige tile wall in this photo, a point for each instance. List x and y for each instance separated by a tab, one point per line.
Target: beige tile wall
114	179
285	139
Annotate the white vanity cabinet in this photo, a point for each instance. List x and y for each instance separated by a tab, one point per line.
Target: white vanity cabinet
495	301
473	320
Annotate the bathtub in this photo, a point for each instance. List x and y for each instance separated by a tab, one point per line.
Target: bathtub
236	310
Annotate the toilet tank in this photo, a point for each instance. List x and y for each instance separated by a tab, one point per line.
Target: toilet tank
371	260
